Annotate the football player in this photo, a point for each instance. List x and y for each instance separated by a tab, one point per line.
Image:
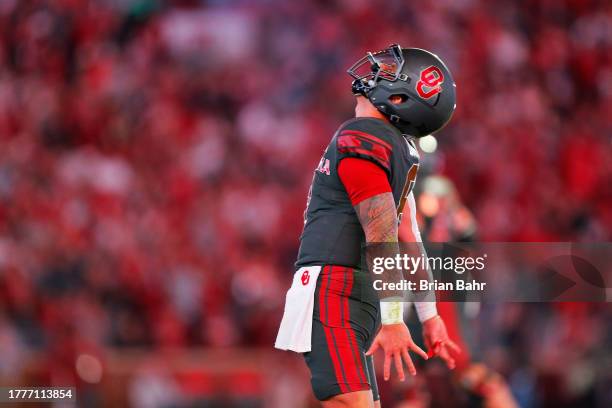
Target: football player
359	191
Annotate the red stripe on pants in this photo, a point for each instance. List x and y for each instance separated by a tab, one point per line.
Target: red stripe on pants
340	337
341	333
324	303
349	331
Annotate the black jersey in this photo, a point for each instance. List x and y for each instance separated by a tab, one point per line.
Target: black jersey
332	233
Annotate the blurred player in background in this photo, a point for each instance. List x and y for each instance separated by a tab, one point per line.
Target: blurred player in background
361	187
444	218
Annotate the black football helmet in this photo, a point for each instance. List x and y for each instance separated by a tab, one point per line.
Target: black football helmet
422	80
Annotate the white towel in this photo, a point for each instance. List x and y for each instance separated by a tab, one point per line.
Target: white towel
295	330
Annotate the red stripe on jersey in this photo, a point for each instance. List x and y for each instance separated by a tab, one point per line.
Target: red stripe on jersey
354	144
379	147
368	136
324	313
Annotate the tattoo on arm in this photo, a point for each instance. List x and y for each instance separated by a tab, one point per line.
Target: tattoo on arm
378	217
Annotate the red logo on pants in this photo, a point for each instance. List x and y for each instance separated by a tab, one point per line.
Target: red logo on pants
305	278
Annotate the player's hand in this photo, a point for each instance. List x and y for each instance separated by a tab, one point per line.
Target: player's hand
396	341
437	341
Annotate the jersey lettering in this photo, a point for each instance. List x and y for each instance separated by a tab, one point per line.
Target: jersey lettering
323	166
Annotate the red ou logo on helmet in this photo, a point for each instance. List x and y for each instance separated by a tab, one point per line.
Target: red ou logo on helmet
431	78
305	278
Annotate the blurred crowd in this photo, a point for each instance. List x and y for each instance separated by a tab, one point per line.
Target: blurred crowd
155	155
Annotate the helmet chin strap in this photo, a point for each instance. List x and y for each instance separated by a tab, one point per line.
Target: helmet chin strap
399	124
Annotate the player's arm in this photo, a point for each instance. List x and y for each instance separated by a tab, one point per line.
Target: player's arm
378	216
435	334
370	192
408	232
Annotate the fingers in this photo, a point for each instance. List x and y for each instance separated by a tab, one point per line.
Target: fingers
418	350
387	366
408	361
446	357
398	366
397	360
453	345
432	350
373	348
439	349
428	344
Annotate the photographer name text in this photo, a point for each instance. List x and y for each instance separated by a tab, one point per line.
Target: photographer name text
427	285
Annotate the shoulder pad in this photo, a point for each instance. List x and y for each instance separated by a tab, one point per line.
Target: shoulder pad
367	138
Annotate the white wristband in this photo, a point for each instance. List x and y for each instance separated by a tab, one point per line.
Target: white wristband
392	312
425	310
